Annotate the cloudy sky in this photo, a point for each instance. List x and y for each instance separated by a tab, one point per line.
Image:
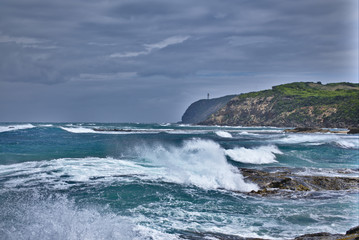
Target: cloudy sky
146	61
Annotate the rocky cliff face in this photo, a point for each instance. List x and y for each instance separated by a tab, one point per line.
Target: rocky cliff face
202	109
293	105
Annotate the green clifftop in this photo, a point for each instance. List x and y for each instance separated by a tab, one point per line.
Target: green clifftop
299	104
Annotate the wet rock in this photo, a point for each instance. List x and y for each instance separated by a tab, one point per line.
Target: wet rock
354	230
319	236
351	234
307	130
286	181
353	131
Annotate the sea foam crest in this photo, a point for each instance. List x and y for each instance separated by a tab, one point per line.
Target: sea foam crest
15	127
78	130
223	134
197	162
342	141
260	155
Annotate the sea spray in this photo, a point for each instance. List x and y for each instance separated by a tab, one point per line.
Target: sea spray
197	162
260	155
37	216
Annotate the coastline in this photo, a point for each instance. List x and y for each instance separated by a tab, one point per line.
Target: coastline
350	234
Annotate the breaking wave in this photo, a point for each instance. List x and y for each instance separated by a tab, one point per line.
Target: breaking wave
200	163
197	162
15	127
78	130
223	134
260	155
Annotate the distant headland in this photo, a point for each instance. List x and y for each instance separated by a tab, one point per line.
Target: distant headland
298	104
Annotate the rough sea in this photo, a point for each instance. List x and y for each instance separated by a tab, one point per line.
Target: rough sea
166	181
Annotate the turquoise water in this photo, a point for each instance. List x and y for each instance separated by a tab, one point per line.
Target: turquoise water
165	181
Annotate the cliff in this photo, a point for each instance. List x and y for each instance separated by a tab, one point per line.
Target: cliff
202	109
300	104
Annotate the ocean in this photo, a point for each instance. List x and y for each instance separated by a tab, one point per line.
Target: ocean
166	181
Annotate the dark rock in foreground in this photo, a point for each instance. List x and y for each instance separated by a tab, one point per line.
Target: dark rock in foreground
352	234
353	131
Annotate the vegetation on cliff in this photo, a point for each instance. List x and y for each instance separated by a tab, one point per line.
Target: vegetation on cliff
299	104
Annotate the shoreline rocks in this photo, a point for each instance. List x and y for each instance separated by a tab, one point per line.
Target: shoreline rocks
351	234
315	130
284	182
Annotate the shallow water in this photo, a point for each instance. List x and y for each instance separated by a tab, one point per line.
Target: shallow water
161	181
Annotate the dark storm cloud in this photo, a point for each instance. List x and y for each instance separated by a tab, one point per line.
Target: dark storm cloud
162	55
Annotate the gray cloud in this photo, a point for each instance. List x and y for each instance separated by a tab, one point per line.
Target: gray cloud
163	55
150	47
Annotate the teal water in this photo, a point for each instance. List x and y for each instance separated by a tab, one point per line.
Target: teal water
165	181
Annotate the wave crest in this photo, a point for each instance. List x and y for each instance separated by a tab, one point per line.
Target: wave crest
260	155
197	162
223	134
15	127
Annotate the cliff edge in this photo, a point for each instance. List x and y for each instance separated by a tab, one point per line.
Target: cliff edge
299	104
199	111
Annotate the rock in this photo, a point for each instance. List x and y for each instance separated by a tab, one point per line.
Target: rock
353	131
354	230
351	234
319	236
307	130
283	179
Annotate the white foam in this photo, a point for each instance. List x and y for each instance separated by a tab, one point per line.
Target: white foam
78	130
125	131
15	127
260	155
46	125
223	134
58	218
75	169
342	141
197	162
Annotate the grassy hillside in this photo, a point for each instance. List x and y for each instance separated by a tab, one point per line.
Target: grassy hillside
295	104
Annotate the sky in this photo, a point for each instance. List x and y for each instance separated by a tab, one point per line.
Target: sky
148	60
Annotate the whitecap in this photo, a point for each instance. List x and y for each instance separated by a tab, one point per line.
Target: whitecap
15	127
223	134
78	130
260	155
197	162
46	125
